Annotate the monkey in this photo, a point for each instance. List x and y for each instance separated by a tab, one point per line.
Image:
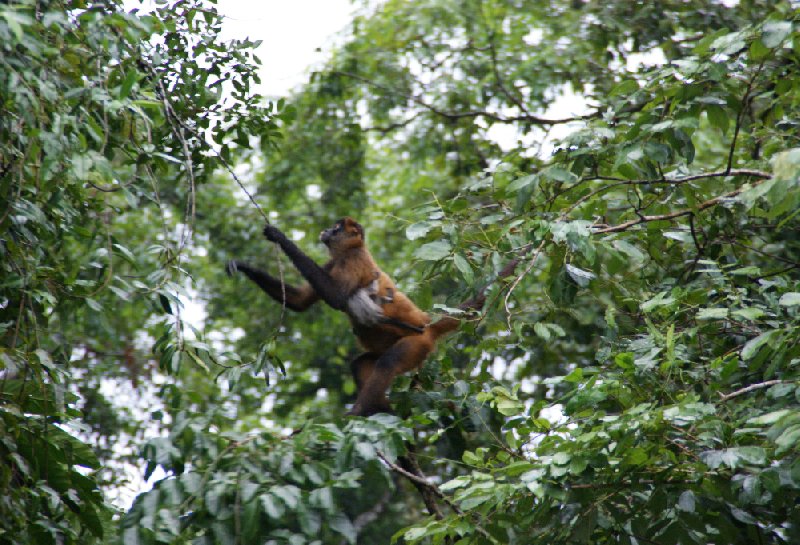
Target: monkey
396	335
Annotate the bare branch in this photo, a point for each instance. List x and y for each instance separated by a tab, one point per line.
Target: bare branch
512	97
535	120
740	115
752	387
392	126
413	473
691	178
642	482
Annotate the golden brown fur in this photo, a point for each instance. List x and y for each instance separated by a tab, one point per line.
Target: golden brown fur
396	335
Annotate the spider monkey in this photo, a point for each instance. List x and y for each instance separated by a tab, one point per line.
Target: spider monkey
396	335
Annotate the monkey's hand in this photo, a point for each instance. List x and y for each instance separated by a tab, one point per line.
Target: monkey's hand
273	234
233	266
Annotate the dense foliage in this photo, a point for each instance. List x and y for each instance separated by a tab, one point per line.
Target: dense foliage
622	181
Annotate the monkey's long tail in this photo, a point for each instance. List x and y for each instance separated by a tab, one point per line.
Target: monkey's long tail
442	327
448	324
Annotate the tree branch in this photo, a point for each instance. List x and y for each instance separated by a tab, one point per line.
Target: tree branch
392	126
691	178
513	98
740	115
413	473
535	120
672	215
752	387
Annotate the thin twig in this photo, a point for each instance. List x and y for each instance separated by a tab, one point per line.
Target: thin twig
392	126
413	473
513	98
752	387
740	115
586	486
689	178
535	120
516	282
199	137
109	248
422	482
672	215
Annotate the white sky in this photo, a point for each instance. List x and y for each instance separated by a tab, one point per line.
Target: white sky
296	34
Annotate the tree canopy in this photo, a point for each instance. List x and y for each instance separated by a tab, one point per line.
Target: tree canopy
620	180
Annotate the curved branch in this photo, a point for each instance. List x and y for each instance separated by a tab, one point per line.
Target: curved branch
690	178
427	489
752	387
672	215
535	120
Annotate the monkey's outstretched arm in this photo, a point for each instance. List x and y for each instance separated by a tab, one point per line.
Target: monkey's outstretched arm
318	277
297	299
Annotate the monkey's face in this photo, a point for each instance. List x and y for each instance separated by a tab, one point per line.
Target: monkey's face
345	233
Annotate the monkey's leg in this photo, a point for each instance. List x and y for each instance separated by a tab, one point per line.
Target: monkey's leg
406	354
362	368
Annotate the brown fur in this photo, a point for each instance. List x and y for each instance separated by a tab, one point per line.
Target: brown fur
392	348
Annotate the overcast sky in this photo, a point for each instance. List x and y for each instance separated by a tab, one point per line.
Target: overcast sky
292	32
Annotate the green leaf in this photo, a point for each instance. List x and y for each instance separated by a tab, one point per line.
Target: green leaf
575	376
561	458
734	457
786	164
130	79
788	439
686	501
289	494
635	456
541	331
775	32
750	314
758	50
522	183
751	347
433	251
769	418
13	19
192	352
274	509
419	229
660	300
790	299
453	484
463	267
580	276
712	314
718	117
559	174
625	87
624	360
342	525
743	516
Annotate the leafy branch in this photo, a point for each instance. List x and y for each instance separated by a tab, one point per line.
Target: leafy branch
673	215
428	490
452	115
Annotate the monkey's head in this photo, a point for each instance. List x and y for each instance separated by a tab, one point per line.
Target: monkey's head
345	234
